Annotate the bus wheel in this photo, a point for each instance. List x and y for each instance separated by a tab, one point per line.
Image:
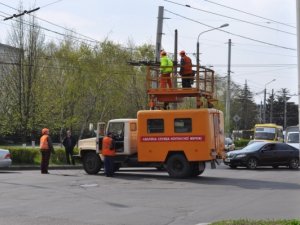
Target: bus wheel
91	163
178	166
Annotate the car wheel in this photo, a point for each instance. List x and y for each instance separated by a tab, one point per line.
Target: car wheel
252	163
294	164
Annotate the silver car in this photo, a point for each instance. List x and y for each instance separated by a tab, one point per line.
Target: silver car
5	158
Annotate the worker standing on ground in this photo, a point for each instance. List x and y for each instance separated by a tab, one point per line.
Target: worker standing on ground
166	68
69	143
46	148
186	71
109	152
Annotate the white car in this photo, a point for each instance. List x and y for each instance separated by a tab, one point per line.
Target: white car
5	158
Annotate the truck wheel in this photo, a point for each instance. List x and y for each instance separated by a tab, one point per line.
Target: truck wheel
178	166
197	168
92	163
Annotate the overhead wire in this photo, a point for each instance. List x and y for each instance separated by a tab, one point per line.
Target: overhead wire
233	34
251	14
229	17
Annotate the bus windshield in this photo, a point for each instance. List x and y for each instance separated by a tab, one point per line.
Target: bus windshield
265	133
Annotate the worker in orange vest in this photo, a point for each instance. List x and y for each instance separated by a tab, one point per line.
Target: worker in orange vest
46	148
108	151
186	71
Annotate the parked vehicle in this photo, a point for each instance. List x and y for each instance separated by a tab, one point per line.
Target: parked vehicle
229	144
264	154
5	158
181	140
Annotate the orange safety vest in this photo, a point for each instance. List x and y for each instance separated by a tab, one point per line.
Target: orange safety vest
44	142
187	65
106	147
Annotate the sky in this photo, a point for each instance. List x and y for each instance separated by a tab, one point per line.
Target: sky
263	32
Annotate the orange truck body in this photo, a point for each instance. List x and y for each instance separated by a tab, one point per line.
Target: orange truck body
198	133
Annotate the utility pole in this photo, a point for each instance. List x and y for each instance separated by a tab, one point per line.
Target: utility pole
271	108
298	53
284	112
227	118
175	67
159	32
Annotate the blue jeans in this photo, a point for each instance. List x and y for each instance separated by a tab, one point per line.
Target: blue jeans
109	166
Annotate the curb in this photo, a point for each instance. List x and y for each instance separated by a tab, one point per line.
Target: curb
37	167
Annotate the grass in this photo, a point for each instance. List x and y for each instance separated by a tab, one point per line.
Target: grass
257	222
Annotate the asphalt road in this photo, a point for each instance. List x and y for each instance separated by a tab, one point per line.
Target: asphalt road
147	197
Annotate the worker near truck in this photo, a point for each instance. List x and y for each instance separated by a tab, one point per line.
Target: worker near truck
166	68
186	71
108	152
46	148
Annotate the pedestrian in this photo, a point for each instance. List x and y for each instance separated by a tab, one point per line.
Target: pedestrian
46	148
186	71
69	143
166	68
108	152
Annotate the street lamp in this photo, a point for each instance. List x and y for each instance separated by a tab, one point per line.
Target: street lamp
198	54
265	93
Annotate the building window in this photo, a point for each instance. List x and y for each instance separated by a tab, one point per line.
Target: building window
155	125
183	125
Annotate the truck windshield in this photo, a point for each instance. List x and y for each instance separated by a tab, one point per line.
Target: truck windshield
293	138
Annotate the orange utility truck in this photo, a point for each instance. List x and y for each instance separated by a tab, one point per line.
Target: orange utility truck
180	141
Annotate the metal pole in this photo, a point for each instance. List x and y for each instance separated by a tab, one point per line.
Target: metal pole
175	67
298	53
227	118
159	32
271	108
264	116
284	113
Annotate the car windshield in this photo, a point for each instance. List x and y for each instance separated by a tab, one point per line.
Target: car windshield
293	138
254	146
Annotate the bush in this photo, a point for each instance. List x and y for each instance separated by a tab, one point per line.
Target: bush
29	155
241	143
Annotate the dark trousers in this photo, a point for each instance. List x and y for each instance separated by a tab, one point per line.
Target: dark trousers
69	154
187	80
45	160
109	166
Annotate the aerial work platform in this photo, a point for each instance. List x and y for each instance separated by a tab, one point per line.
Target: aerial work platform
202	87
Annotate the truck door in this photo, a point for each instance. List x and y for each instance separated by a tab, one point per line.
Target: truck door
117	128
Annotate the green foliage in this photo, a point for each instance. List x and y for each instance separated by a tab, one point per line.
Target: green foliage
241	143
257	222
21	155
31	156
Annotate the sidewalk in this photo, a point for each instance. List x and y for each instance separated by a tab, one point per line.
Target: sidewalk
37	167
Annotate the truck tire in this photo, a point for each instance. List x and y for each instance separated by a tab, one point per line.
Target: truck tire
178	166
92	163
197	168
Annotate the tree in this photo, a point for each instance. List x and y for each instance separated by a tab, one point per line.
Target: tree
245	108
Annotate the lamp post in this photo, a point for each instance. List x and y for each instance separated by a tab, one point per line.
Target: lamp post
198	45
265	93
